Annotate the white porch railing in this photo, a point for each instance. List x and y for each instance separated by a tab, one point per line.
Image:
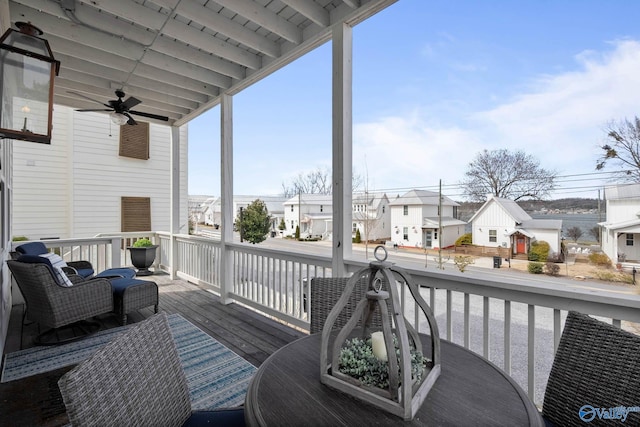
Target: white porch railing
516	322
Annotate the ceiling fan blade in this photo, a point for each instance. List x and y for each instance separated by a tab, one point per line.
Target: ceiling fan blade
130	121
84	111
130	103
90	99
151	116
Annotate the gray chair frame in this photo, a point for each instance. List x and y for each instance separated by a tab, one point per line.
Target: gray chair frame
136	380
597	365
54	306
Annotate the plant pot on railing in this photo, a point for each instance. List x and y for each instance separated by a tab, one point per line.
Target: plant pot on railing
143	255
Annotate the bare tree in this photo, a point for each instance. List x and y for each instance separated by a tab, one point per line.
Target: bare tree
317	181
595	232
574	233
508	175
623	149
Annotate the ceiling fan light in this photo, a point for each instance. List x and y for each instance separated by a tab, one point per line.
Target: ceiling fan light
118	119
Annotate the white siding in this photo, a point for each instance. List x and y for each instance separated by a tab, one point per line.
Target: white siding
492	218
622	210
550	236
413	221
74	186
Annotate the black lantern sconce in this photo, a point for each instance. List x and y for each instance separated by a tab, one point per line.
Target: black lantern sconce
27	73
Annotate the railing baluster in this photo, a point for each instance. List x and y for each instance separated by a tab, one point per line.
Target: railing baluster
507	337
485	327
467	330
531	344
449	320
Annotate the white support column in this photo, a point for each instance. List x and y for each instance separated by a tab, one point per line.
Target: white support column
175	199
342	68
226	197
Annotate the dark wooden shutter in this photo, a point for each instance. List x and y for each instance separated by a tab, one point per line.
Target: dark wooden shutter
134	141
136	214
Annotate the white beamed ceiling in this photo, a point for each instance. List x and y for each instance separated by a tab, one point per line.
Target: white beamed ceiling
179	56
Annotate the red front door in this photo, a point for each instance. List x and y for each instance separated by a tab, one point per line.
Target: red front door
520	246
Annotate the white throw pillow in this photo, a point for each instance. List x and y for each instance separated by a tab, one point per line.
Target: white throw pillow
57	263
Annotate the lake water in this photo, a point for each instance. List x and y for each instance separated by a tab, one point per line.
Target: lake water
585	221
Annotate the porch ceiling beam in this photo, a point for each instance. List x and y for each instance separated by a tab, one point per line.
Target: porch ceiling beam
179	50
177	66
311	10
218	23
211	44
265	18
136	13
91	17
67	30
354	4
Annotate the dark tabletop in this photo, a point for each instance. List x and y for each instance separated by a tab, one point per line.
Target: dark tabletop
470	391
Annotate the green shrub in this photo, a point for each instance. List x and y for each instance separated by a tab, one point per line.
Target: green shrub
358	238
297	236
465	239
552	269
20	238
535	267
282	225
539	251
599	259
142	243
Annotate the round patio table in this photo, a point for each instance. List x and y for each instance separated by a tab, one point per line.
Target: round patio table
470	391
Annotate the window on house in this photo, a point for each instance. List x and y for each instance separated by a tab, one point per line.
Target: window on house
629	239
405	233
321	208
383	208
135	213
291	208
405	210
435	235
354	227
493	235
134	141
292	224
438	210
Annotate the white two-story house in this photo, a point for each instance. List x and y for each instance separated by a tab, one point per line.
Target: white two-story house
503	223
621	231
312	212
371	216
420	219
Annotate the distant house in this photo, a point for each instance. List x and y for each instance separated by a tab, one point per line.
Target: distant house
212	211
503	223
371	215
621	231
312	212
416	220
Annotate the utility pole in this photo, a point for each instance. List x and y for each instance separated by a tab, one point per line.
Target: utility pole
440	227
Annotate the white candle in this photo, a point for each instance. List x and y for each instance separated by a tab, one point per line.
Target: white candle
379	348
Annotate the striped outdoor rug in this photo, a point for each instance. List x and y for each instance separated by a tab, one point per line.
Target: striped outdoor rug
217	376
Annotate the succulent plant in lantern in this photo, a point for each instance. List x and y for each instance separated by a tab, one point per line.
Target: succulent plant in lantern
378	356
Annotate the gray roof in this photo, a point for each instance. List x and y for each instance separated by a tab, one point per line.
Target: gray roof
540	224
320	199
447	221
511	207
422	197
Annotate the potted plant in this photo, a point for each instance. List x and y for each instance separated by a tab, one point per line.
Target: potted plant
143	254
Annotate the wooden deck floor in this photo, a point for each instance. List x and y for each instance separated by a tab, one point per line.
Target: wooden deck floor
249	334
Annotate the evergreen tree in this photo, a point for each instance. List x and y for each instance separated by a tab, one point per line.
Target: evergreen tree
255	222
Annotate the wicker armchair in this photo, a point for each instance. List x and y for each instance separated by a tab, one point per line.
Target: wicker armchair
325	293
597	365
136	380
53	305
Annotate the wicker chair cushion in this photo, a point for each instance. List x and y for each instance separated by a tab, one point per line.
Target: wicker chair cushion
32	248
59	275
126	273
596	364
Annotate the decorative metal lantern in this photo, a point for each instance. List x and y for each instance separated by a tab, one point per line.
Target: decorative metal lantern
377	319
27	73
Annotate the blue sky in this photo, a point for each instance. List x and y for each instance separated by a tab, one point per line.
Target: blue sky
435	83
